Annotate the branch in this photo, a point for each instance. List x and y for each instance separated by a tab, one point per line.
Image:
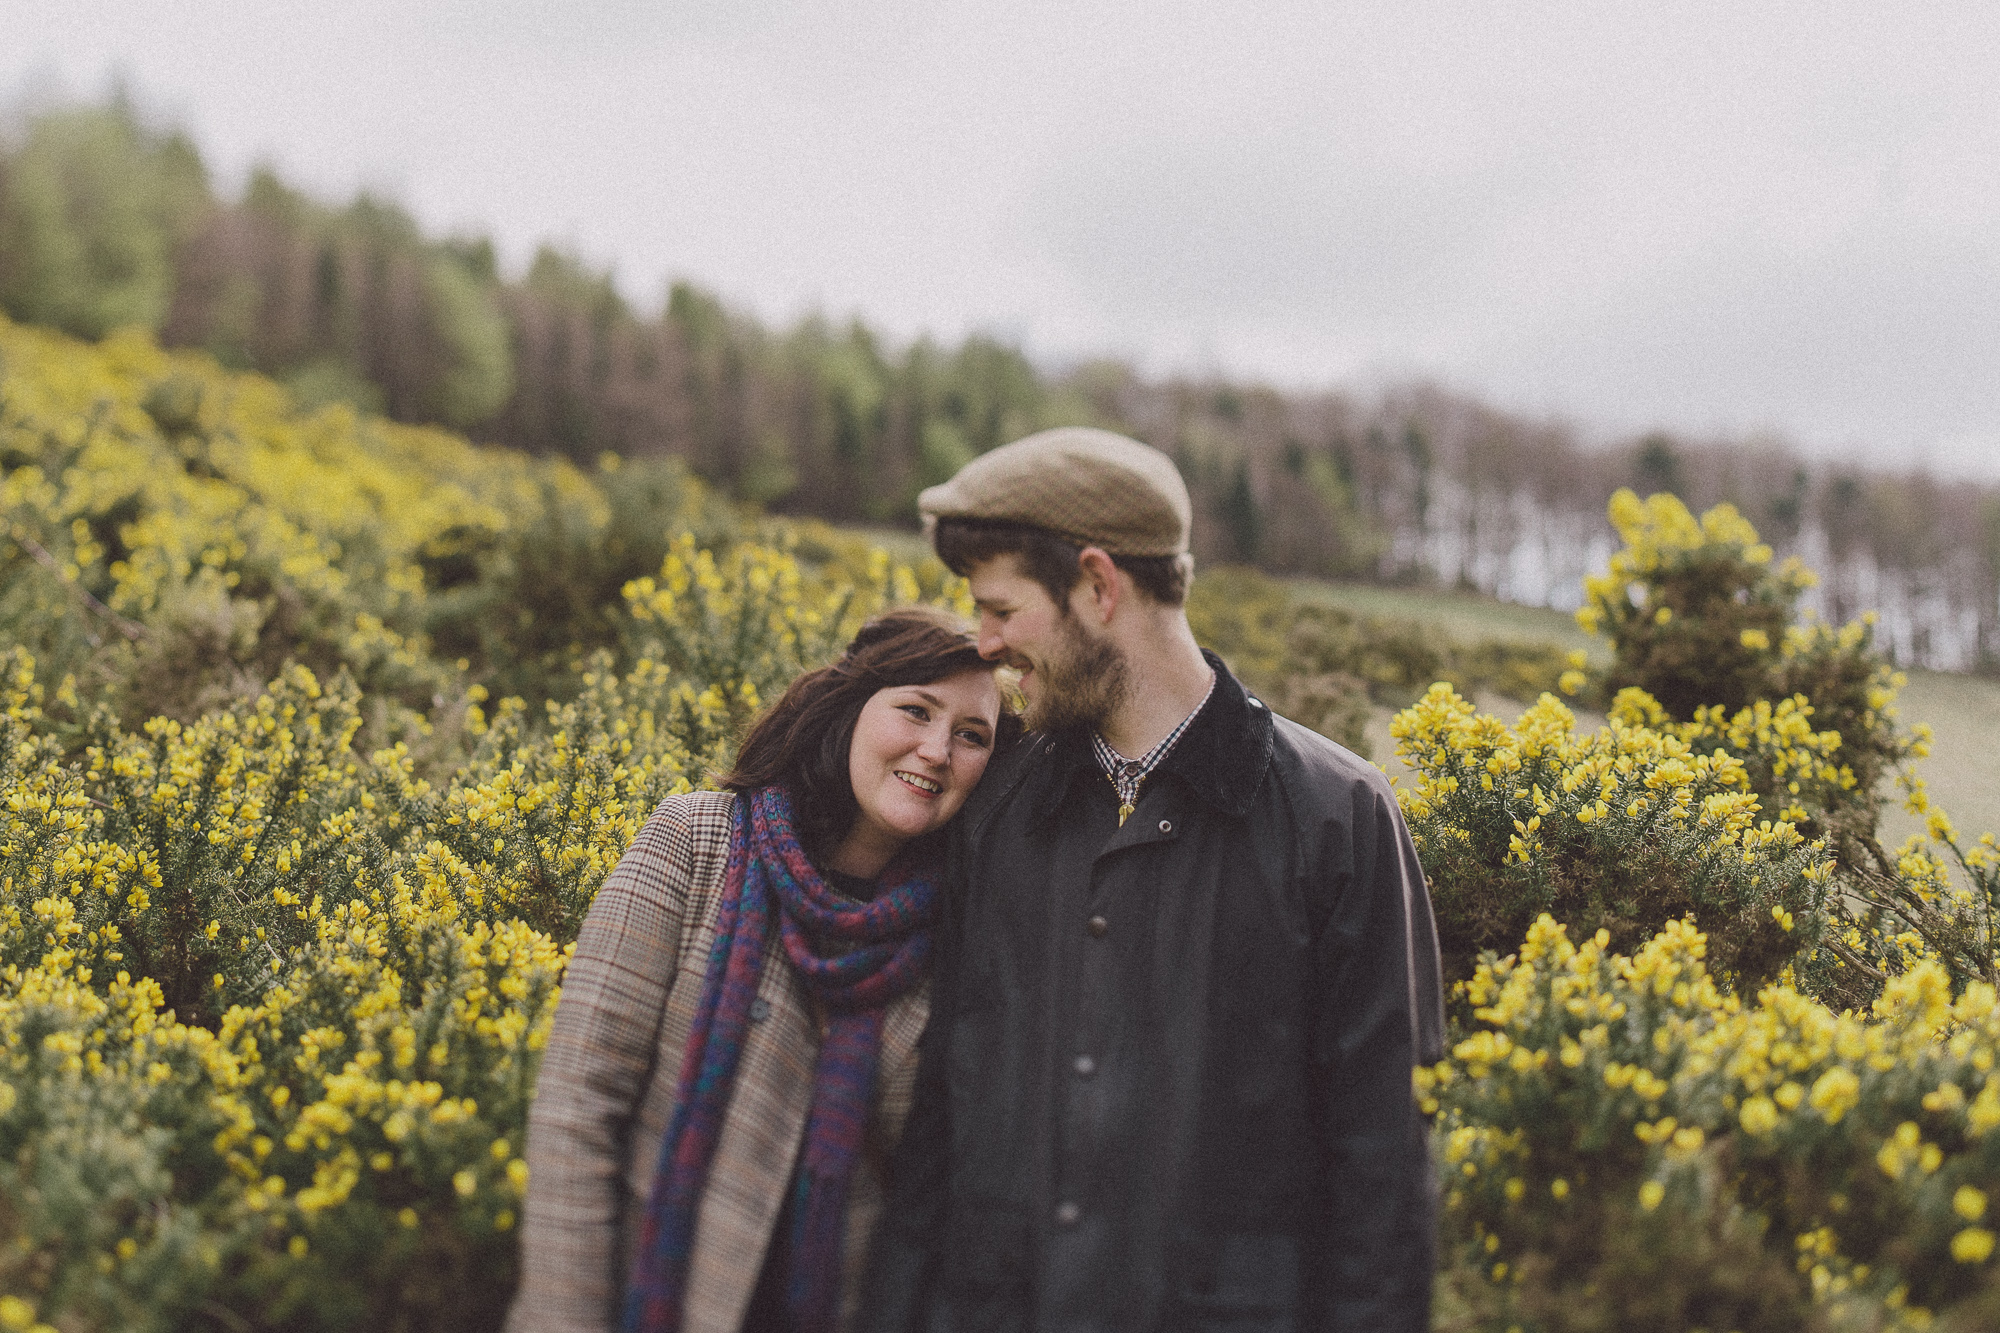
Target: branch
130	629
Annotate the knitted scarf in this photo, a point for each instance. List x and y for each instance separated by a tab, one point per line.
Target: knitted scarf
853	958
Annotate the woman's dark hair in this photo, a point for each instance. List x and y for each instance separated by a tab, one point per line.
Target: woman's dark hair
801	744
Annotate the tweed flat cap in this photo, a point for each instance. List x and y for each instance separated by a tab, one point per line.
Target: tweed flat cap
1092	486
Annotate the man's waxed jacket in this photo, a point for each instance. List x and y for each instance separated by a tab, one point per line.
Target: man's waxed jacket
1166	1084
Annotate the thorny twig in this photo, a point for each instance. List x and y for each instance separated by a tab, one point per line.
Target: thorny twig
130	629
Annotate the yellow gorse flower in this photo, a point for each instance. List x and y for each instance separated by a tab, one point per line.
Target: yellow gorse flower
1650	1047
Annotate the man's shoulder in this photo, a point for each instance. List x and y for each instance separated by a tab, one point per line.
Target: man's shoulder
1004	771
1319	770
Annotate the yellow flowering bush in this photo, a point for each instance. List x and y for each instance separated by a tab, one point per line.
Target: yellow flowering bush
1703	621
1619	1133
173	534
1618	830
1693	606
750	620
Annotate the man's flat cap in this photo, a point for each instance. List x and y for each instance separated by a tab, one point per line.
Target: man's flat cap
1094	487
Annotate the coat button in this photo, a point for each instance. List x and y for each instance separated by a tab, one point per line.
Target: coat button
1068	1214
1085	1066
759	1010
1097	925
1166	826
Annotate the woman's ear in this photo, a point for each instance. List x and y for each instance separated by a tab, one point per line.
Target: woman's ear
1099	583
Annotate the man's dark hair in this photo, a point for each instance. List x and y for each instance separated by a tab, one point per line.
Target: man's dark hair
801	743
1051	559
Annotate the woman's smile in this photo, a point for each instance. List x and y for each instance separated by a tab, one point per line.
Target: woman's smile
917	753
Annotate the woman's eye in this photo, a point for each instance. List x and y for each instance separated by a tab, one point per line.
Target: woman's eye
917	711
971	737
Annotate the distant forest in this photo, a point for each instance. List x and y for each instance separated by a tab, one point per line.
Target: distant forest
108	221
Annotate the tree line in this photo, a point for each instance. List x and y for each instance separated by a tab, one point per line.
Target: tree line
107	220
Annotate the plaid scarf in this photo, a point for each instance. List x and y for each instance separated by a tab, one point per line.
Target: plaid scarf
853	958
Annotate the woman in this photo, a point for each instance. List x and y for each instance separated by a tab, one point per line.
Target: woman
735	1048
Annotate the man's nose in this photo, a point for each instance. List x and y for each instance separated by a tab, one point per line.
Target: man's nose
990	645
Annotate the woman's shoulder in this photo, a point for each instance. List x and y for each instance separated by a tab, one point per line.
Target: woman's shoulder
696	807
690	825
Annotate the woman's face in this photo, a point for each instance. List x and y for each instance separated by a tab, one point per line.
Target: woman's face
918	752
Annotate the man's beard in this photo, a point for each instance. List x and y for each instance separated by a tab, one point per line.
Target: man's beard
1081	685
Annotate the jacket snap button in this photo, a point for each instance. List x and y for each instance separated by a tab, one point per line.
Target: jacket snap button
1085	1066
759	1010
1068	1214
1097	925
1166	826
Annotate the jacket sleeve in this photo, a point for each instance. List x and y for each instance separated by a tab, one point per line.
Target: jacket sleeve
1379	1012
594	1074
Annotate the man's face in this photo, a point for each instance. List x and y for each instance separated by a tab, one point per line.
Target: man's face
1070	676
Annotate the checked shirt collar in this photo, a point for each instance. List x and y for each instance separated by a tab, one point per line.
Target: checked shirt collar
1128	775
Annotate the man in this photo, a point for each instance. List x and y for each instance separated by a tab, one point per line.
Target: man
1187	965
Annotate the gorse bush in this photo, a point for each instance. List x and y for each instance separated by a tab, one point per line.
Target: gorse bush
177	534
1710	649
335	1053
1626	1144
1619	831
320	734
1702	621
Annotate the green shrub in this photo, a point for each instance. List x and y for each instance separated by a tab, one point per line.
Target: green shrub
1621	830
1626	1145
1702	621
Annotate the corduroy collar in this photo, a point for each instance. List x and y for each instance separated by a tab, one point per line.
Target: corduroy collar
1221	759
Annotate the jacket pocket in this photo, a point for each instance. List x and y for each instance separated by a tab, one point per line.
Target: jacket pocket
1238	1283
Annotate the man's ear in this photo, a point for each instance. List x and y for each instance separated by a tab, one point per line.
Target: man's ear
1098	587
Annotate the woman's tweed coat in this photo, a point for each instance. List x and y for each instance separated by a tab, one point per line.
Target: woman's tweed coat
612	1069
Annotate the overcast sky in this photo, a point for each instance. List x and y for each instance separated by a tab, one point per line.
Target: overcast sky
1728	217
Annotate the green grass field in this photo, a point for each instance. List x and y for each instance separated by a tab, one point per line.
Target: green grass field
1465	616
1963	770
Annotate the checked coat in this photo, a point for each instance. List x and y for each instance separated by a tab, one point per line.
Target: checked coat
610	1074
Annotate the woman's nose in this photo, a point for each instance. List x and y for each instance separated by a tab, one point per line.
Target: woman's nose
934	746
